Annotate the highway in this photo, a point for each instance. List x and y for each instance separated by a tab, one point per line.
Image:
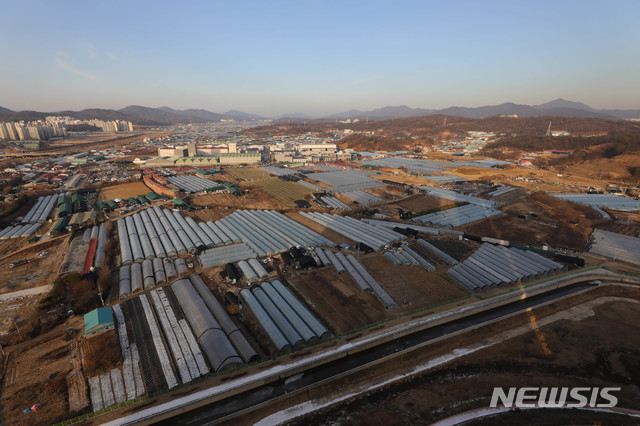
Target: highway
227	407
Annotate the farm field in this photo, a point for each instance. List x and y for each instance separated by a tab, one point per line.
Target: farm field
336	299
421	203
285	192
209	214
411	287
247	173
344	307
125	190
254	200
386	193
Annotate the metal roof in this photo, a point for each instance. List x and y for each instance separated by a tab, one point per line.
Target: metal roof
610	201
97	319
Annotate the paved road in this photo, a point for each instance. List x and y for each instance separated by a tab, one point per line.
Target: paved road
221	409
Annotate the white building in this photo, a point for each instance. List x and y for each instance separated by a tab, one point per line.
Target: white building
316	148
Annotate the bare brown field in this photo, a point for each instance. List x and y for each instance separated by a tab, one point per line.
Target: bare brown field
324	291
628	217
559	223
247	173
46	384
39	271
422	202
339	301
124	190
411	287
387	193
254	200
632	229
555	182
608	169
209	214
283	191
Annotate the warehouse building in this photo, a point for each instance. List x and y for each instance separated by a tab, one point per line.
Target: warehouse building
205	161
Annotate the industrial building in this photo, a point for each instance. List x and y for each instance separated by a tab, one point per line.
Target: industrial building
205	161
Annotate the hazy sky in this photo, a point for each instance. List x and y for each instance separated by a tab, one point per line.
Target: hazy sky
319	57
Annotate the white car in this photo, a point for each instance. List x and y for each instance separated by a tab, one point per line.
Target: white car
43	253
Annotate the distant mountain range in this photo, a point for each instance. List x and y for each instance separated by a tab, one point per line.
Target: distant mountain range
142	115
558	107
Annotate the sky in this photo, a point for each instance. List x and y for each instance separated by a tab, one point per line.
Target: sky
317	57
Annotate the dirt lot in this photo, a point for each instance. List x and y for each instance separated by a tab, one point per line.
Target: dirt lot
39	271
245	173
283	191
46	385
611	359
16	310
125	190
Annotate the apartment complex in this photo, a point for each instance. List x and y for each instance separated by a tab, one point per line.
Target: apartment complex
55	127
21	131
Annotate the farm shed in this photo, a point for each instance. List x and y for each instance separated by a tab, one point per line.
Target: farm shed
98	321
